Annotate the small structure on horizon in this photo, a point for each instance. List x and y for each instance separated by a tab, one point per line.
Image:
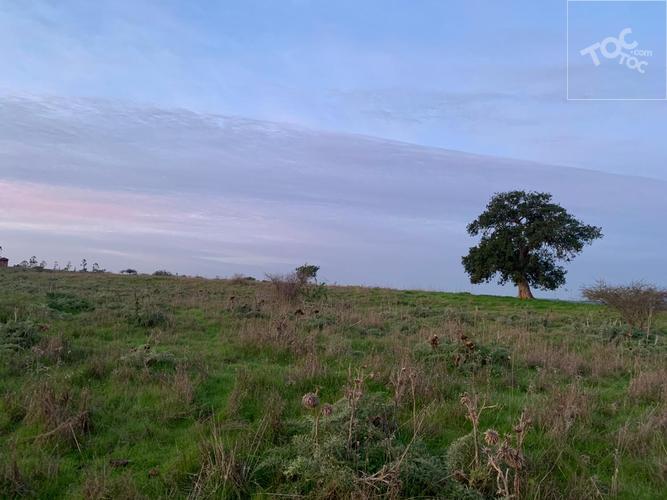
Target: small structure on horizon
4	262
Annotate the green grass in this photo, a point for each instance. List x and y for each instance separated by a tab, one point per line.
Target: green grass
149	386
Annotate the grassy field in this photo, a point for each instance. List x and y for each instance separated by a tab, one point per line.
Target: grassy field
143	387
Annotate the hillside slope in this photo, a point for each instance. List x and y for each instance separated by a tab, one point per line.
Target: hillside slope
136	386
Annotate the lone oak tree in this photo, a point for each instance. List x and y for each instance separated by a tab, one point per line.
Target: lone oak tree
524	235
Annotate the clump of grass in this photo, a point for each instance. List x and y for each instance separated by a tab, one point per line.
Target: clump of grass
12	409
13	481
286	287
559	411
68	303
145	356
183	385
536	353
297	284
279	333
649	386
60	412
464	353
227	471
249	387
151	318
100	484
53	349
647	434
98	366
16	335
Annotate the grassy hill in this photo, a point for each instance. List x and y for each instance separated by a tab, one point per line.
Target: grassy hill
136	386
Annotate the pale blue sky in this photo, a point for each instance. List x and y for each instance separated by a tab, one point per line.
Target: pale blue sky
116	142
481	76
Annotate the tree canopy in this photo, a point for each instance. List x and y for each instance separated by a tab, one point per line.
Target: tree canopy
524	236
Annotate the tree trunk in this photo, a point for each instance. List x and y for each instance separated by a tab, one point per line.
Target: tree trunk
524	290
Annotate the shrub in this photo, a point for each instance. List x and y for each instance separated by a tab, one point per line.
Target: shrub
162	272
307	273
287	287
351	449
637	303
296	284
240	279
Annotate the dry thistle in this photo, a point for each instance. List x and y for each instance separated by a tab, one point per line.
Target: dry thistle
434	341
353	392
310	400
491	437
507	460
471	404
327	409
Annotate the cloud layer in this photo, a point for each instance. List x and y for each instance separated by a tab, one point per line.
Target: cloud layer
149	188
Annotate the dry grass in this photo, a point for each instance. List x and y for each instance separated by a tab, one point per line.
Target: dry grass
53	349
647	434
226	470
279	332
183	385
310	365
649	386
60	412
558	412
101	485
13	482
287	287
538	353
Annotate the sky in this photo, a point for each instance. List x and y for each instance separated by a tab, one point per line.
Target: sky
238	136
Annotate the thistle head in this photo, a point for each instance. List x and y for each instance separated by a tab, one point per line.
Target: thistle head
310	400
491	437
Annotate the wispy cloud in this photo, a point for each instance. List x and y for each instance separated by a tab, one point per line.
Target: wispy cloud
209	194
470	76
